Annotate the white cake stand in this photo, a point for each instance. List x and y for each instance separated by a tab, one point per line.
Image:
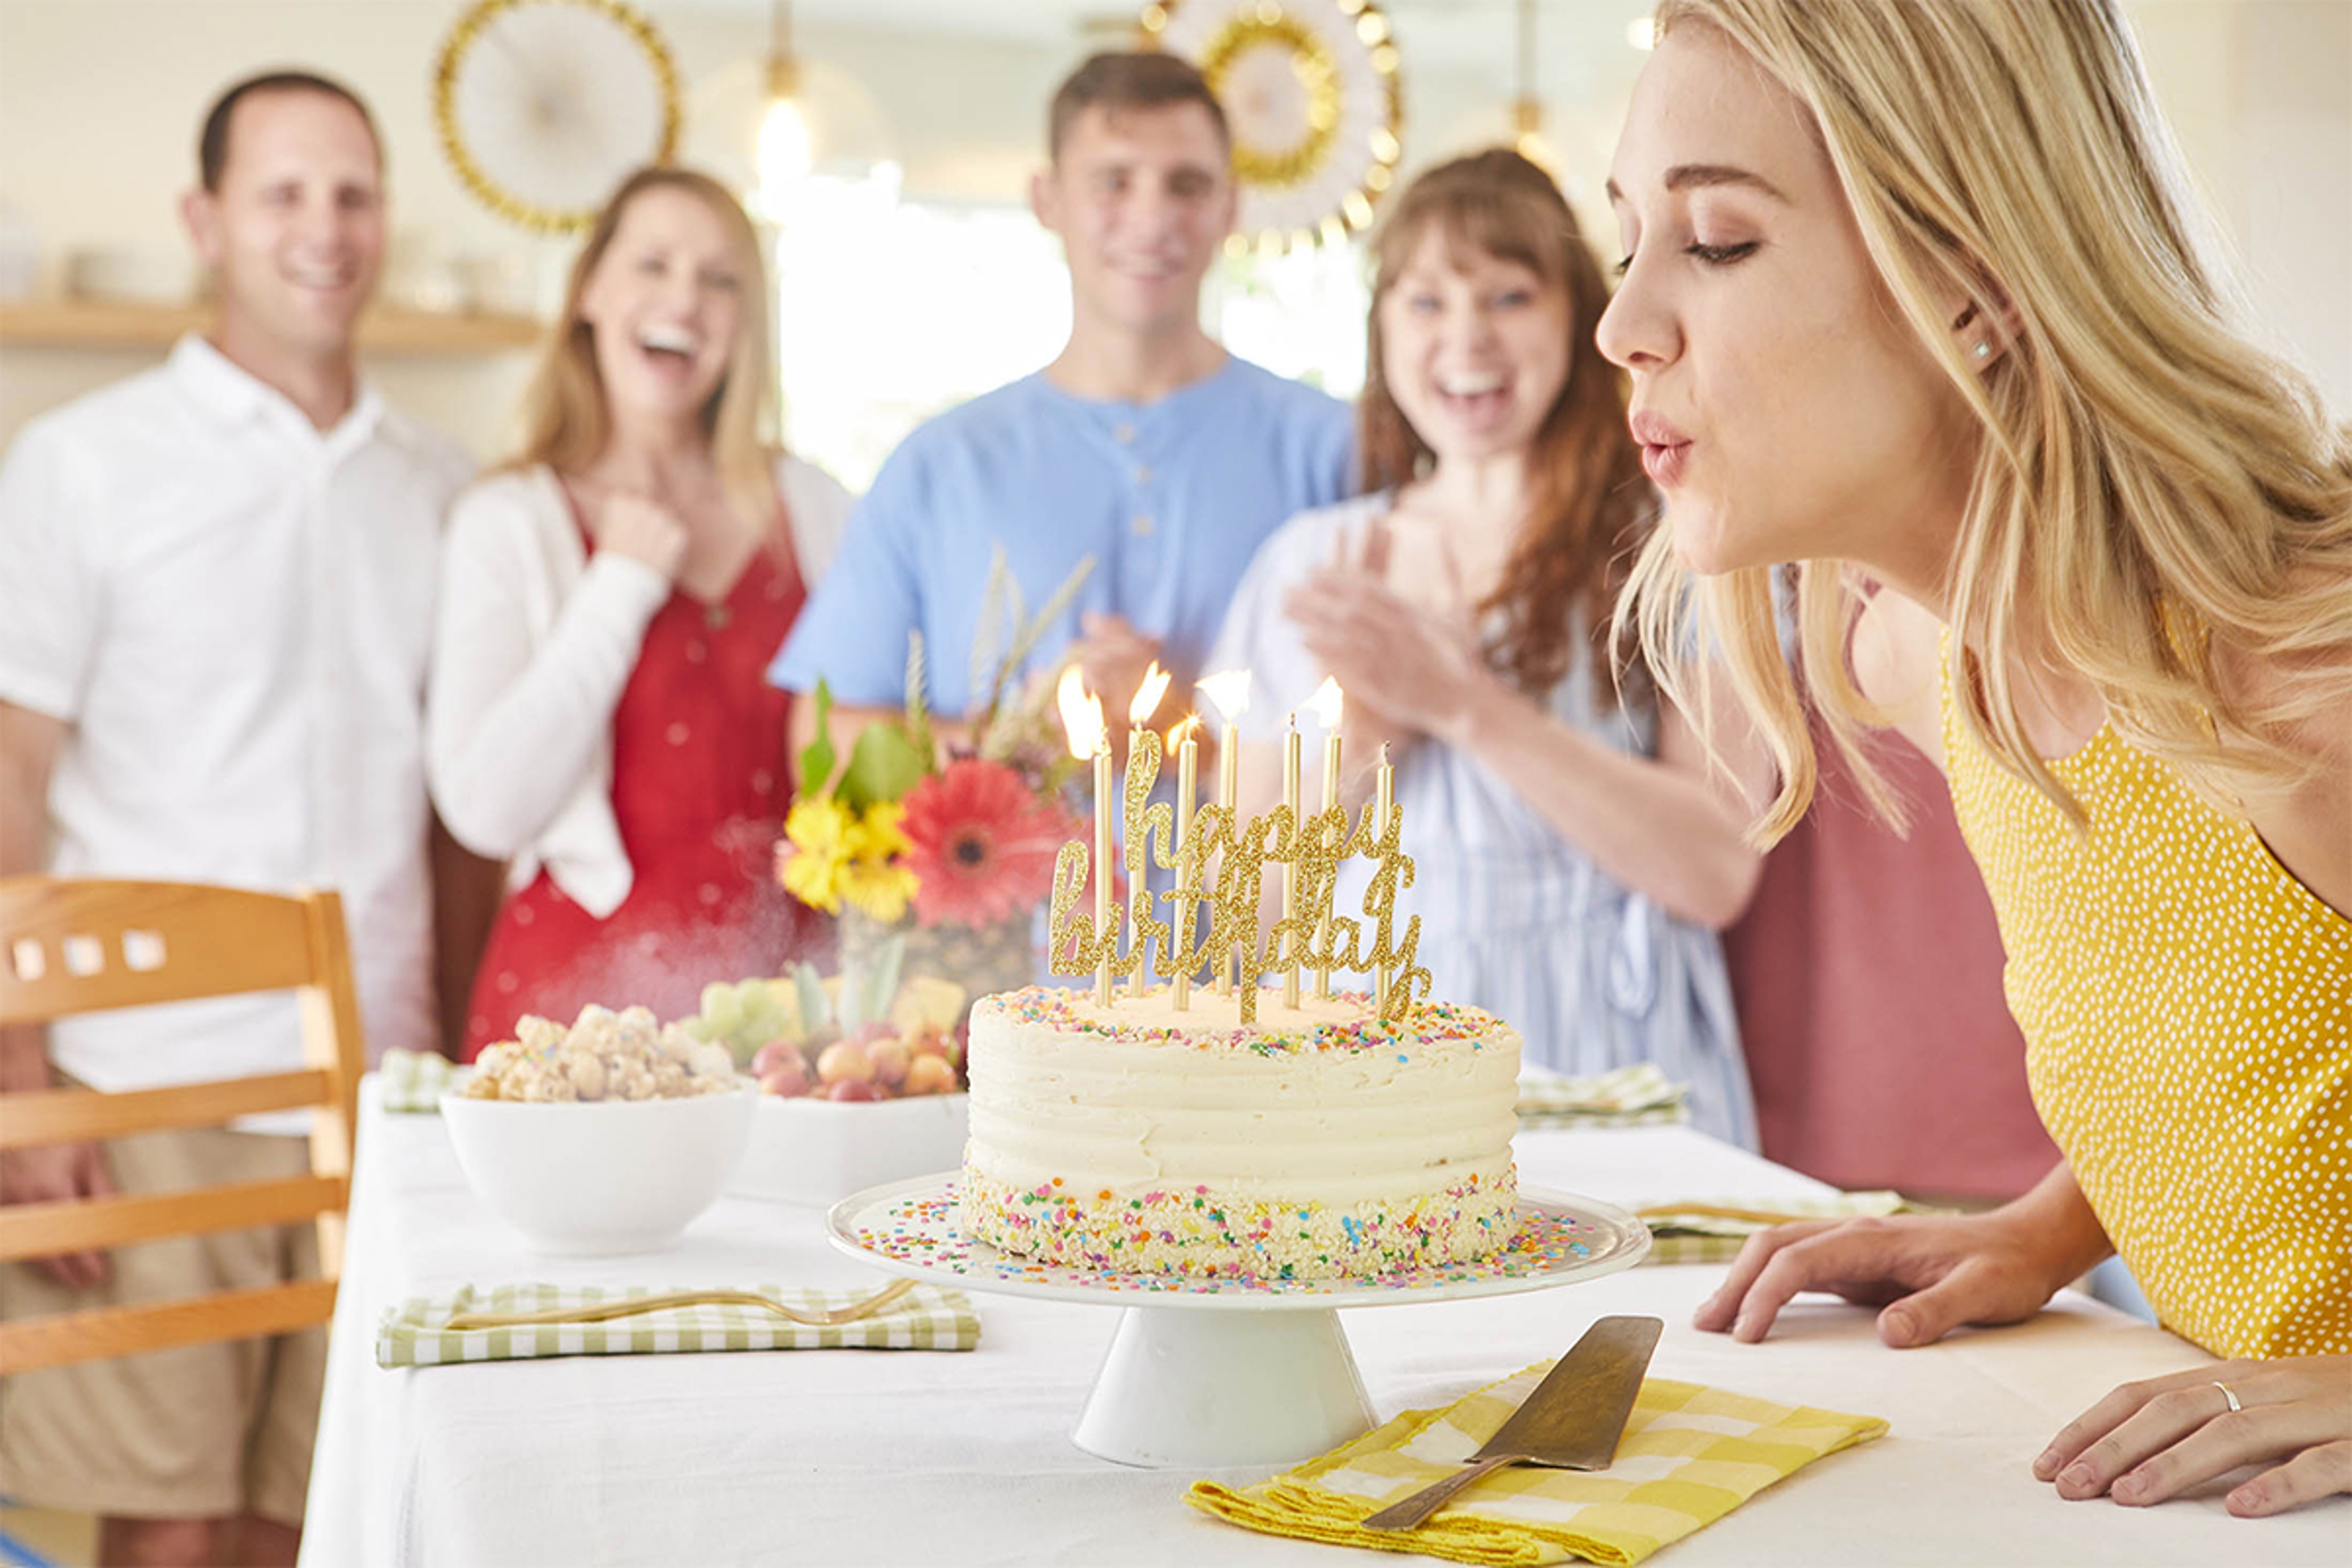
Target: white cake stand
1209	1372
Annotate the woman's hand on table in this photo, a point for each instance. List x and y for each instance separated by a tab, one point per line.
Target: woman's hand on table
1932	1273
2149	1441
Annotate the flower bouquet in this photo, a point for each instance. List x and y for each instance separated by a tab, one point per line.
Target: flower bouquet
935	859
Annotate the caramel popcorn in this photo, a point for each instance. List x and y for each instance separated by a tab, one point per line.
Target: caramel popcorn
603	1055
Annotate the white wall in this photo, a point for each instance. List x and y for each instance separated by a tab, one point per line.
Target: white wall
100	102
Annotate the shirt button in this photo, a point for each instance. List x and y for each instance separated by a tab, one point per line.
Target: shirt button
1142	527
695	652
764	781
1122	433
525	914
709	893
676	734
1142	473
508	982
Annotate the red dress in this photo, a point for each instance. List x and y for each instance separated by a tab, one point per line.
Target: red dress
700	784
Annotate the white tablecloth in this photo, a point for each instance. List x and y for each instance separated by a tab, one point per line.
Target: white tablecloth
906	1456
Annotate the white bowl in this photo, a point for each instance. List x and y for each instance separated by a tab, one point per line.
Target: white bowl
821	1151
603	1178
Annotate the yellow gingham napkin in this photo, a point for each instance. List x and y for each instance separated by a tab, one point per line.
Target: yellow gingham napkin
1689	1455
416	1333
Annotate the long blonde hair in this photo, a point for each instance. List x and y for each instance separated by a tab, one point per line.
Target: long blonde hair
2147	482
1589	504
565	421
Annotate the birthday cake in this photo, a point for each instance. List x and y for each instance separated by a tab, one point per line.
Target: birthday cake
1313	1142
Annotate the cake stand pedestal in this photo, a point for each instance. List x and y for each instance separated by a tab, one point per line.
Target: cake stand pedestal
1203	1374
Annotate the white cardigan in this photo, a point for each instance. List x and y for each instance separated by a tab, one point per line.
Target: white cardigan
534	643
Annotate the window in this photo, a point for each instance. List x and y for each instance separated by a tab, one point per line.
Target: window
889	312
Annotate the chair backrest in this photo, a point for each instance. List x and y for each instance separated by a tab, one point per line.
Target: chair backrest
72	946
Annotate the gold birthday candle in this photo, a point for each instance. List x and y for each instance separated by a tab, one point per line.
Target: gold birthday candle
1147	826
1329	703
1230	690
1308	850
1147	829
1290	864
1182	959
1088	738
1384	802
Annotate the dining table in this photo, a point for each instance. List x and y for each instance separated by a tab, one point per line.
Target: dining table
846	1457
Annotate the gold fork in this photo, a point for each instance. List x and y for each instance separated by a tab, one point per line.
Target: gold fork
635	1305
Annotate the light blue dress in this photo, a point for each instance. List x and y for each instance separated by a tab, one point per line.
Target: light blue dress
1514	918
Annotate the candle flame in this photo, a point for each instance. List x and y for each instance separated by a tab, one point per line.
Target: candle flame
1229	690
1082	715
1148	695
1184	730
1328	702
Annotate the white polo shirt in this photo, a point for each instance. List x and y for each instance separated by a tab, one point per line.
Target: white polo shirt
233	611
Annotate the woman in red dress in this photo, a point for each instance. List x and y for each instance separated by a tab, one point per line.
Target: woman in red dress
600	714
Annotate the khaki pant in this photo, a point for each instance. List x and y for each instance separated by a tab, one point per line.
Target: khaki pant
200	1432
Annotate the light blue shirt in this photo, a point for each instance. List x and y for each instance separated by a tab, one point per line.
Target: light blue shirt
1171	498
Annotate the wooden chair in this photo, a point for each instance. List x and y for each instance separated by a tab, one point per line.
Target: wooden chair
72	946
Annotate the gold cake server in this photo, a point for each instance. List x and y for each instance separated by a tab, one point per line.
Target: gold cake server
1571	1422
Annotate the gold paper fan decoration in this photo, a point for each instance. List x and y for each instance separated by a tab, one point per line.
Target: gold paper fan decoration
1312	93
545	106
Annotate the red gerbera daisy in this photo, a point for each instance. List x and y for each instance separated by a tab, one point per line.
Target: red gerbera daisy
983	846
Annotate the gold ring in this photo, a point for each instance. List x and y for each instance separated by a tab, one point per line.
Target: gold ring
2228	1396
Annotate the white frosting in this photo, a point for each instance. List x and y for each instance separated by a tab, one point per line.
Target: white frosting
1211	1104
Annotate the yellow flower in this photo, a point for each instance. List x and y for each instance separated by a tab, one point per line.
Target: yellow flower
874	886
820	831
879	891
877	837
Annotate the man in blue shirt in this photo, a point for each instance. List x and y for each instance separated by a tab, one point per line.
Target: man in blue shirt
1144	445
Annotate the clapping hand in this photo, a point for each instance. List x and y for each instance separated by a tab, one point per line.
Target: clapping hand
2149	1441
1407	668
1113	657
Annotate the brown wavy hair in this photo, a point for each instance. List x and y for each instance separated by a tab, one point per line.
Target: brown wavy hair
1589	504
565	421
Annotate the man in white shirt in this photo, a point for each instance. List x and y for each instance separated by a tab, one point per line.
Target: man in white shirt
216	603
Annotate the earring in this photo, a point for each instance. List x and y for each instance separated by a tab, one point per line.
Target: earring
1984	351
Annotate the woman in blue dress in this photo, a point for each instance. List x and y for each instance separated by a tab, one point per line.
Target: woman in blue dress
1574	851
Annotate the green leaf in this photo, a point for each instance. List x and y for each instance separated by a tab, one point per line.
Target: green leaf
808	985
817	758
880	985
883	765
918	702
987	637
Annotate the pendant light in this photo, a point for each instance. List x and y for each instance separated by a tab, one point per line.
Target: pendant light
785	154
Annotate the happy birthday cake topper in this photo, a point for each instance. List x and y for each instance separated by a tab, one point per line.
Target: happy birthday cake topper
1306	847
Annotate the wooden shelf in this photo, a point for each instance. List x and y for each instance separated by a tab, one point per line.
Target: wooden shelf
104	324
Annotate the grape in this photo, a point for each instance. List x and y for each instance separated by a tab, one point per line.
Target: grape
756	999
721	1008
698	1029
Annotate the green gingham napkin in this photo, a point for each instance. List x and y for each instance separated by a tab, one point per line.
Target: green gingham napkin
1677	1237
925	1318
414	1081
1638	1096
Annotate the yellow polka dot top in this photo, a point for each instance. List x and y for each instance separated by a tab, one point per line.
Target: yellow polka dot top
2187	1007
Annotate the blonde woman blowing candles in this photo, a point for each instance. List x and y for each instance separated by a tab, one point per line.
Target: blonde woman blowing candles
1916	292
599	709
1574	856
